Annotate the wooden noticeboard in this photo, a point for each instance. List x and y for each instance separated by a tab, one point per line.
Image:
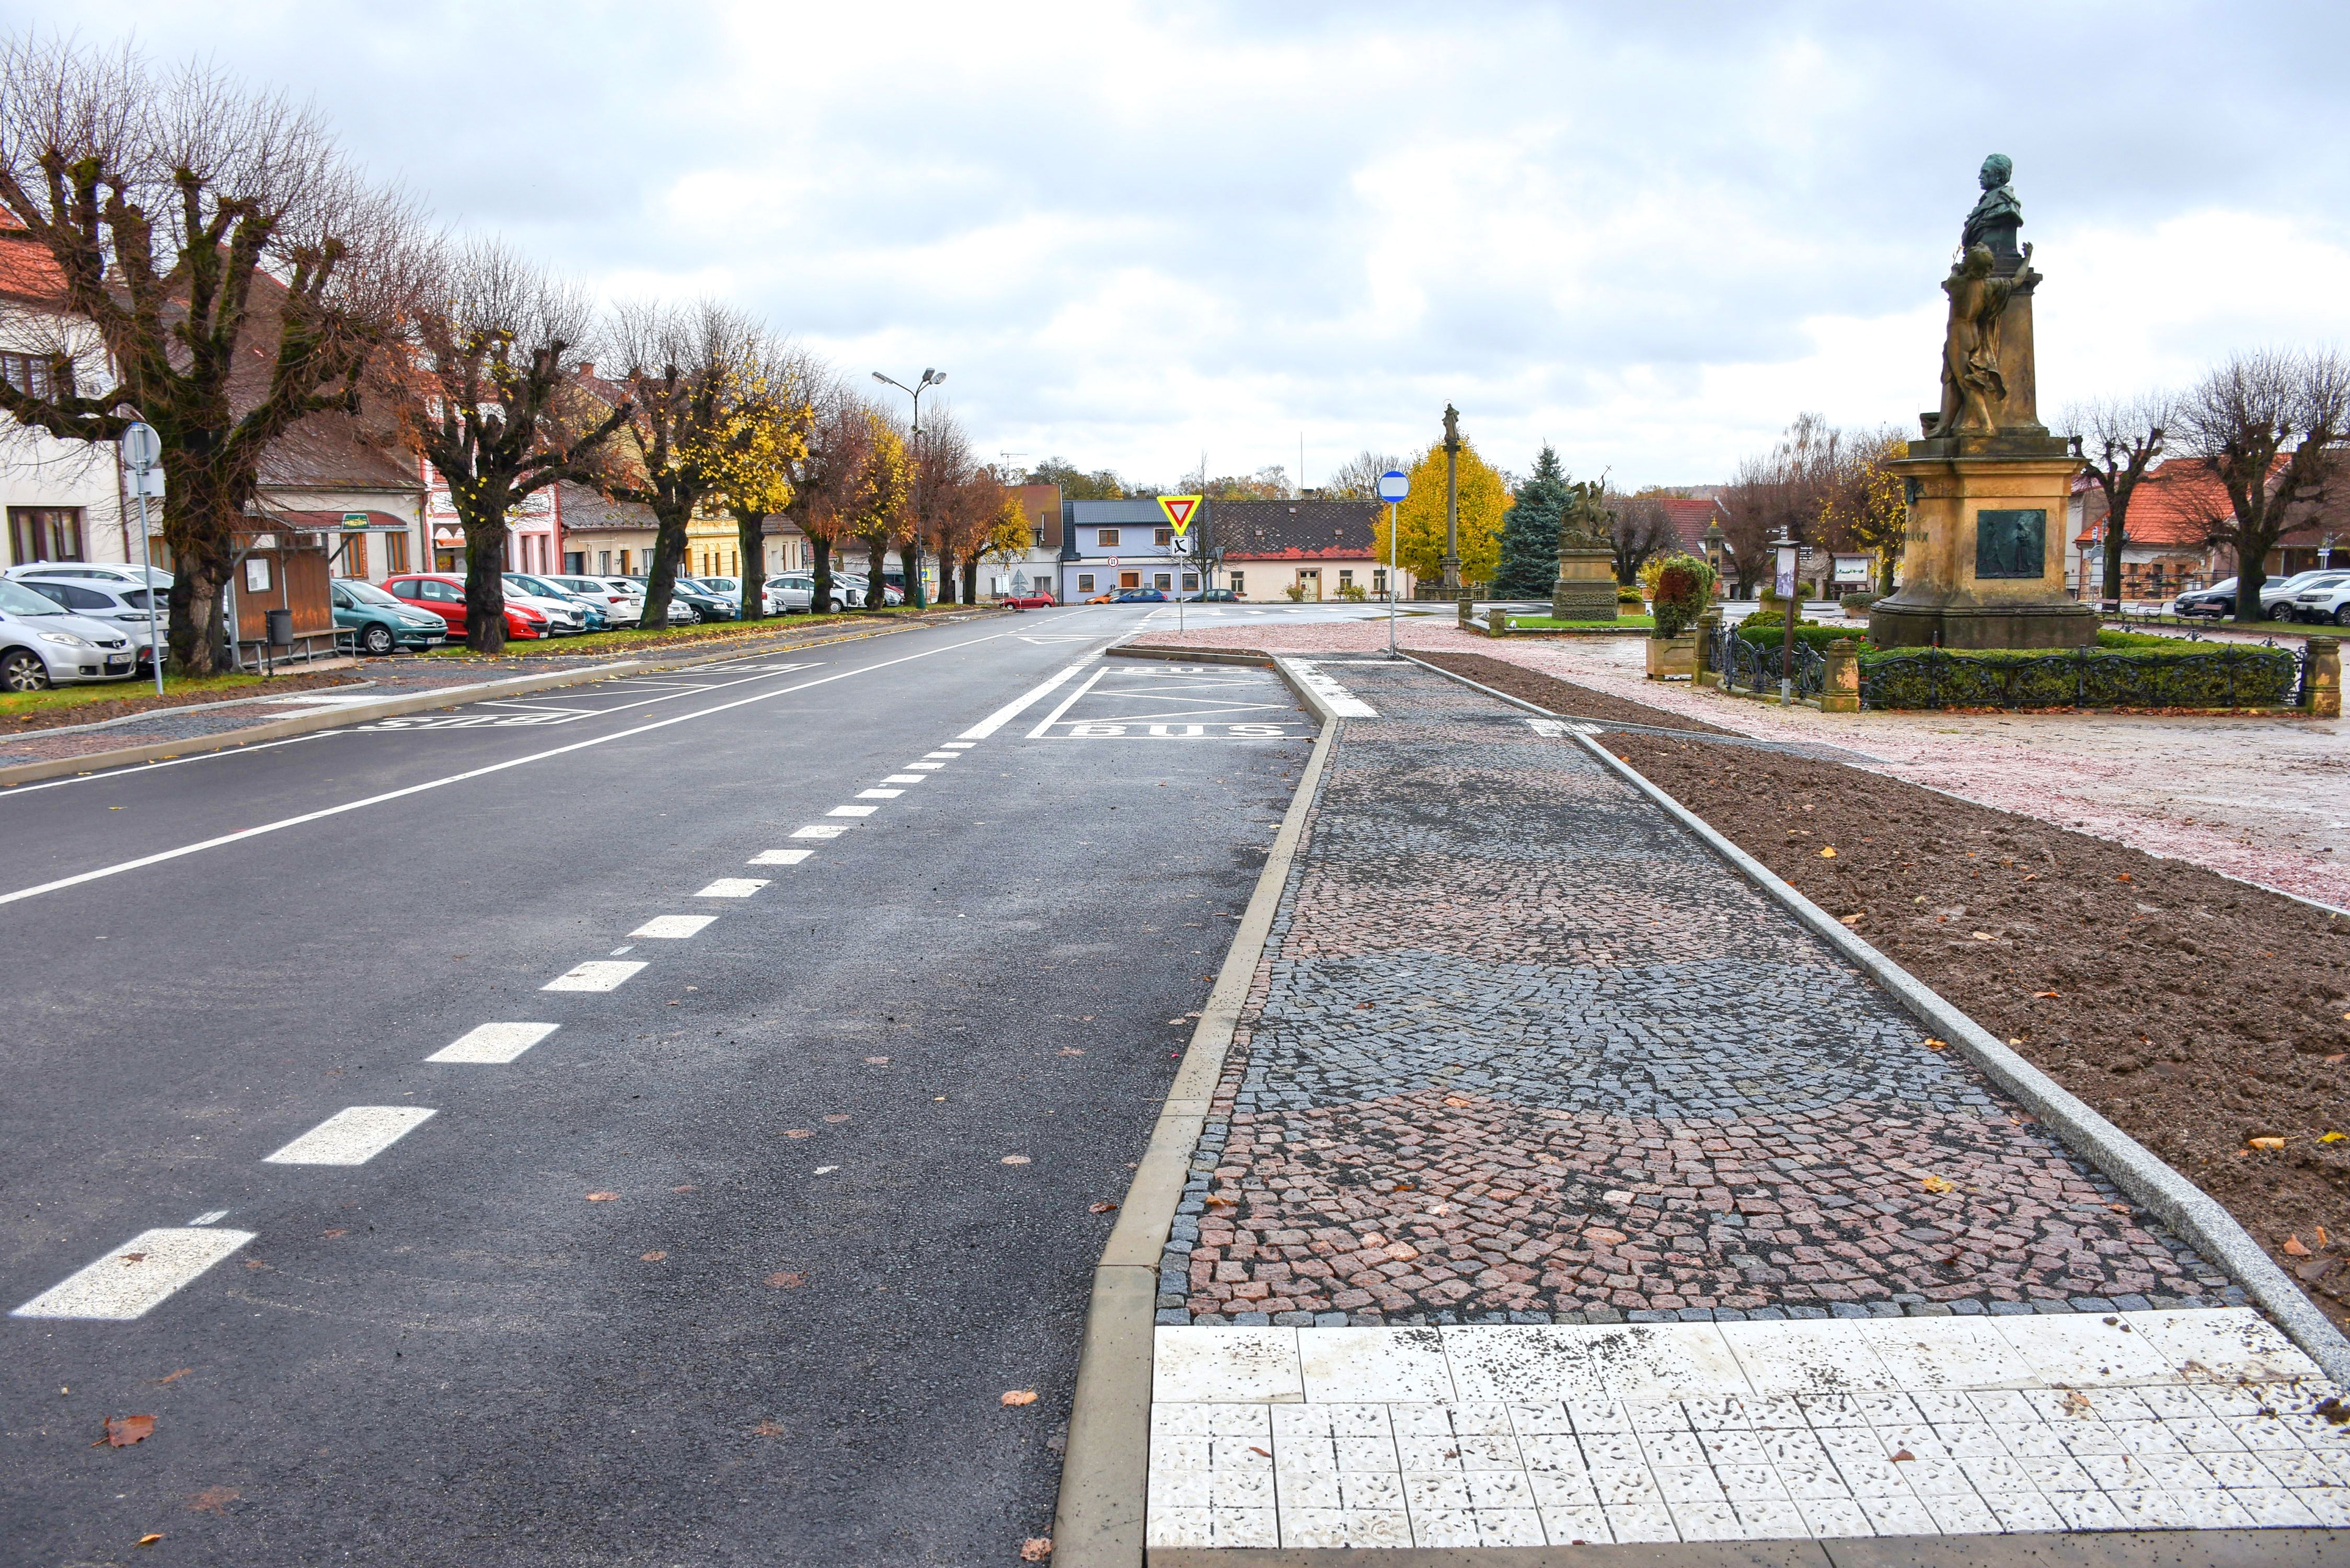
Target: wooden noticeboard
295	572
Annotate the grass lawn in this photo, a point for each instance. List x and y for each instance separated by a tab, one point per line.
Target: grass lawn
1551	623
177	689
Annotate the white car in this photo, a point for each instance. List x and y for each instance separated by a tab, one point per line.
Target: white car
798	591
771	601
864	586
620	609
564	617
43	644
121	603
2328	599
101	571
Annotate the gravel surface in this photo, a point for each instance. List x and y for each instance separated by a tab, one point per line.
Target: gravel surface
2193	1012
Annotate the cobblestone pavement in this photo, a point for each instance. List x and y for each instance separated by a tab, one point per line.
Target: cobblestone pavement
1518	1051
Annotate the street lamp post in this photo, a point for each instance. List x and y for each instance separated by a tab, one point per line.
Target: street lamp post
914	593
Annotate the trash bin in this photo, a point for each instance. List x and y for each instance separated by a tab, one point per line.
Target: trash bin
281	628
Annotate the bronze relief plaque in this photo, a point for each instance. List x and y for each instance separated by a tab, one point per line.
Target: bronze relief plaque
2012	544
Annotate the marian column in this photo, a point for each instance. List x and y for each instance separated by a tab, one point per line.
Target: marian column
1988	486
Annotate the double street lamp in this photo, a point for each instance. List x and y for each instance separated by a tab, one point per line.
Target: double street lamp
914	593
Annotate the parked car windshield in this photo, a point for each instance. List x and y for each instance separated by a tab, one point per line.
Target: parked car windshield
23	601
366	593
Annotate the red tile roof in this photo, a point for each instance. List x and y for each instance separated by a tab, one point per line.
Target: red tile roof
28	271
1689	515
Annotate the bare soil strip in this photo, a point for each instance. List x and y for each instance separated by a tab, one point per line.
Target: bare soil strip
2195	1012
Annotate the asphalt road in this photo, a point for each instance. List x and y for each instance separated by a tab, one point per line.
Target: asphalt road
734	1265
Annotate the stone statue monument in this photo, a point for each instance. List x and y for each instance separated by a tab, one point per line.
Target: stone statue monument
1988	486
1585	589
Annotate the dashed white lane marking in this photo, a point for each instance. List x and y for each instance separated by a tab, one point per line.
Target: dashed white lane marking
210	1217
879	794
137	1276
825	829
779	857
733	888
596	975
1340	701
1018	705
352	1136
959	746
903	779
941	756
624	948
1067	702
852	811
926	767
493	1043
674	926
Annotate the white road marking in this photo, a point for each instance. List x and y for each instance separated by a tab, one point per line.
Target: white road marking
493	1043
596	975
1341	701
673	926
942	756
137	1276
927	767
780	856
325	811
852	811
352	1136
958	746
903	778
825	829
1018	705
210	1217
879	794
1052	717
731	888
624	948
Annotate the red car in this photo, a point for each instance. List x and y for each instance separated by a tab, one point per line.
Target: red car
1036	599
444	596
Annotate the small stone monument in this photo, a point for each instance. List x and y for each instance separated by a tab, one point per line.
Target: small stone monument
1586	589
1988	486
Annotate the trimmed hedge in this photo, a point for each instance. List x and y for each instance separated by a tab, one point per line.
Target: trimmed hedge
2184	675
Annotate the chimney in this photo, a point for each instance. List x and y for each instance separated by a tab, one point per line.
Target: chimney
587	367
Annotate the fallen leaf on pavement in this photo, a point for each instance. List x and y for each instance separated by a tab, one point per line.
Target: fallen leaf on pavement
1829	852
799	1132
877	1061
1938	1044
2043	996
173	1377
2265	1142
836	1118
1938	1184
1020	1397
1071	1051
1904	1455
150	1539
767	1430
2123	877
687	1187
654	1257
602	1197
1455	1101
1984	937
2076	1403
1016	1159
1035	1549
121	1431
2332	1137
2294	1248
1100	1208
1853	919
215	1498
787	1282
330	1235
2118	1207
254	1264
1265	1453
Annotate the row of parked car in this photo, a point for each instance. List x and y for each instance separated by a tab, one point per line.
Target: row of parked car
2319	598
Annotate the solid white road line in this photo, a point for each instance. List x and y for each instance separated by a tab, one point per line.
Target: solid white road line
780	856
879	794
597	974
321	815
1066	702
352	1136
825	829
852	811
675	925
731	888
1018	705
493	1043
137	1276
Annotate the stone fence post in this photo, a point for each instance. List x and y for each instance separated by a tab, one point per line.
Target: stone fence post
1841	691
1468	610
2324	696
1708	627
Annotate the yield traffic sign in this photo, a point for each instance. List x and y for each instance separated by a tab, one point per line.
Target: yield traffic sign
1180	510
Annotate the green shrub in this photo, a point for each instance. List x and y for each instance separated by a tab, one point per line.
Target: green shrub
1684	587
2182	675
1353	592
1811	634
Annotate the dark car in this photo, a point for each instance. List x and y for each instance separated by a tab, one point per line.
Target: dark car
711	606
1214	596
2219	599
1140	597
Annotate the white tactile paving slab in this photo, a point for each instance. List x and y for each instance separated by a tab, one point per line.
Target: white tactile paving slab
1494	1435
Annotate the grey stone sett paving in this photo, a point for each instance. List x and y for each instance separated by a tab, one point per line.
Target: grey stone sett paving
1518	1053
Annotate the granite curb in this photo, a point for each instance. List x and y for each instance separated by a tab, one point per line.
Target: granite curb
416	702
1104	1477
2186	1208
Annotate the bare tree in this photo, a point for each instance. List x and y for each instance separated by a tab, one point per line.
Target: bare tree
1750	507
2120	438
2268	426
825	489
1357	478
940	464
1639	528
239	275
494	405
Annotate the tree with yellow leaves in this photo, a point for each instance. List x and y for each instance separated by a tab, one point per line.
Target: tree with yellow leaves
751	449
877	506
1419	520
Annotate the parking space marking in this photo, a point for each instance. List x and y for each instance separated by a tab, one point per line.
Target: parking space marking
731	887
596	975
352	1136
675	926
137	1276
826	829
852	811
1019	705
493	1043
780	856
1053	717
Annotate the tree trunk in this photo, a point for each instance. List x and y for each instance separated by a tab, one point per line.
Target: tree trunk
917	596
2116	541
485	586
820	601
2250	574
971	580
877	588
948	582
660	579
751	541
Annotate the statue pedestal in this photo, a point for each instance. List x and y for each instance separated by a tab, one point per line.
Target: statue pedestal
1983	562
1586	589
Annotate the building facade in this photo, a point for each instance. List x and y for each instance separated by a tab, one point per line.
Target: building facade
1111	546
1308	550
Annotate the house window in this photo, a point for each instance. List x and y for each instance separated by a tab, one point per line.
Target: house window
1240	585
1345	577
1130	580
29	374
1379	579
1107	539
355	553
45	533
603	563
1084	582
1191	582
1163	537
1162	581
395	553
575	562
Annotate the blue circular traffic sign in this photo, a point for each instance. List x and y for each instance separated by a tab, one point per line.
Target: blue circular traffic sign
1394	484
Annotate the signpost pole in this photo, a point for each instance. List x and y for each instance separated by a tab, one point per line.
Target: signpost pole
1394	485
140	447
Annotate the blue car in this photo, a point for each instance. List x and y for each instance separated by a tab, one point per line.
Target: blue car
1140	597
383	624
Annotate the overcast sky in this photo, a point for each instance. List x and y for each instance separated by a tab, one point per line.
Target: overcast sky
1652	234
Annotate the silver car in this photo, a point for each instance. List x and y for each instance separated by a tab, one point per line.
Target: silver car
111	600
43	644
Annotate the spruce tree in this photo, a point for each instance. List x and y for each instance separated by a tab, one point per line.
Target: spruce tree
1529	563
